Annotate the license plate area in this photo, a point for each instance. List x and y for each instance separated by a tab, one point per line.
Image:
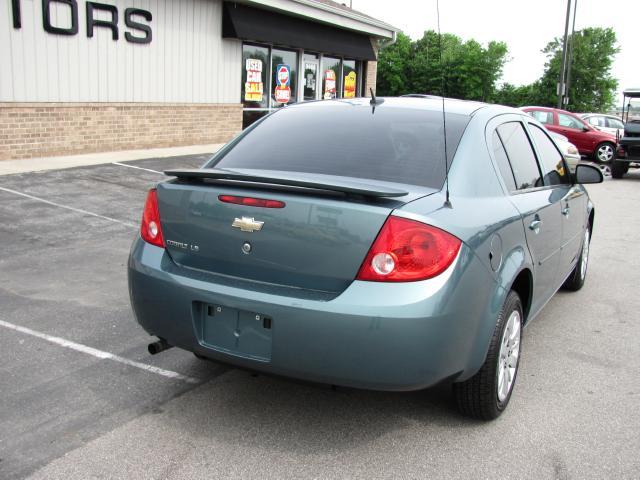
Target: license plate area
238	332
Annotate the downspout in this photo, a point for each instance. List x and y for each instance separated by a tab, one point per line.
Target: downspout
394	37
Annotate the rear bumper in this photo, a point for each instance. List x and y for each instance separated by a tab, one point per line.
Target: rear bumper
373	335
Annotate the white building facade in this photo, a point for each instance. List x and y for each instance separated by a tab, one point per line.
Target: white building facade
79	76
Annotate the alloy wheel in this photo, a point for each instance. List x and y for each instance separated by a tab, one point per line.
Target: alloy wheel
605	169
509	353
605	153
584	262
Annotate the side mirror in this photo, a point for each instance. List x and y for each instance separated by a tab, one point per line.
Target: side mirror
588	174
586	129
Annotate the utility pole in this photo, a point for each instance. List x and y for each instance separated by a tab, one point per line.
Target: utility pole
571	43
561	85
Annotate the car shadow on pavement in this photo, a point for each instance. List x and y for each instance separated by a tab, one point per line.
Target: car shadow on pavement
247	410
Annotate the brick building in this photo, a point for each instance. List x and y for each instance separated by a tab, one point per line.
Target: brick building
80	77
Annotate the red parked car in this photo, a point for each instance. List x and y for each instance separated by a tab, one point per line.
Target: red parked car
589	141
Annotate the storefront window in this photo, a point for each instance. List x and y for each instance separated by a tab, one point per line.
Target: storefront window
271	78
350	80
255	65
310	78
331	78
284	68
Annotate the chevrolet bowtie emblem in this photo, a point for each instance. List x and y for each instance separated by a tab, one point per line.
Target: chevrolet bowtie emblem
247	224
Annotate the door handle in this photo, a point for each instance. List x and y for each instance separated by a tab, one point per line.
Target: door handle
535	226
565	211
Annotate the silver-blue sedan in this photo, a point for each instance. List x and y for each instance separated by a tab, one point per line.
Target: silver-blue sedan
387	244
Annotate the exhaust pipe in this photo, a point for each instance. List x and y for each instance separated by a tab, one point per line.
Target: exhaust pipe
159	346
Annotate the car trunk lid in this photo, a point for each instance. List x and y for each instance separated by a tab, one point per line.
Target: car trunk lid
317	241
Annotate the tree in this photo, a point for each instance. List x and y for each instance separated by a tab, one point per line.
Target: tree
472	71
592	86
393	66
468	69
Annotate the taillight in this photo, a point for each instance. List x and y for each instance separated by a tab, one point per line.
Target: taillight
251	202
407	251
151	230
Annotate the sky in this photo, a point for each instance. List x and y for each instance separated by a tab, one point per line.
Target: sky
525	26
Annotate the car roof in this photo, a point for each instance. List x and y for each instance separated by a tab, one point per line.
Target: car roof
550	109
424	102
586	115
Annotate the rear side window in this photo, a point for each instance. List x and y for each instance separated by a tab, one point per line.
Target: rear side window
521	157
393	144
551	161
503	163
542	117
596	121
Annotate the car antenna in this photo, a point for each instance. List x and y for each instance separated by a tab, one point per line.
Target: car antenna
447	202
374	101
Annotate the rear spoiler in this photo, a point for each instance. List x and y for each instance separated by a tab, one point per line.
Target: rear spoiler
327	183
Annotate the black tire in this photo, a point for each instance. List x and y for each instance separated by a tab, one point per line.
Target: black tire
575	281
477	397
618	169
607	147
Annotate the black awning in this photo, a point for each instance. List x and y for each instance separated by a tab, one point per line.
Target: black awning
248	23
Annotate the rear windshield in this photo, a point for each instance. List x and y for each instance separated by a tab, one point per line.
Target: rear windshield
402	145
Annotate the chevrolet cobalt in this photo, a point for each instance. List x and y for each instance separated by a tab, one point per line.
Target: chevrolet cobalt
387	244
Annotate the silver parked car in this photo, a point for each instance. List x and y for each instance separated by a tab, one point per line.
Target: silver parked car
568	149
605	123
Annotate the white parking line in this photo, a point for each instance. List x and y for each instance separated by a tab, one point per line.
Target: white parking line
73	209
138	168
98	353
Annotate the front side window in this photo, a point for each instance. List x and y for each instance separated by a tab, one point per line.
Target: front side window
551	160
569	121
614	123
521	157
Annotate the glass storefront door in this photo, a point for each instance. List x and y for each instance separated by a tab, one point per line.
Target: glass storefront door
310	76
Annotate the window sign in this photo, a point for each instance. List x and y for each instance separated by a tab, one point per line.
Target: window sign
283	76
283	90
350	85
253	88
350	79
310	75
331	78
329	84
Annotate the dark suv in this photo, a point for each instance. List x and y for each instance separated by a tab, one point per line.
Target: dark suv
628	154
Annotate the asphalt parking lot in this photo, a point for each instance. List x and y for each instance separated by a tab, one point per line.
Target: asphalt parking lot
81	398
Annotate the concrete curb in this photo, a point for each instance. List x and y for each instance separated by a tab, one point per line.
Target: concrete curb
8	167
